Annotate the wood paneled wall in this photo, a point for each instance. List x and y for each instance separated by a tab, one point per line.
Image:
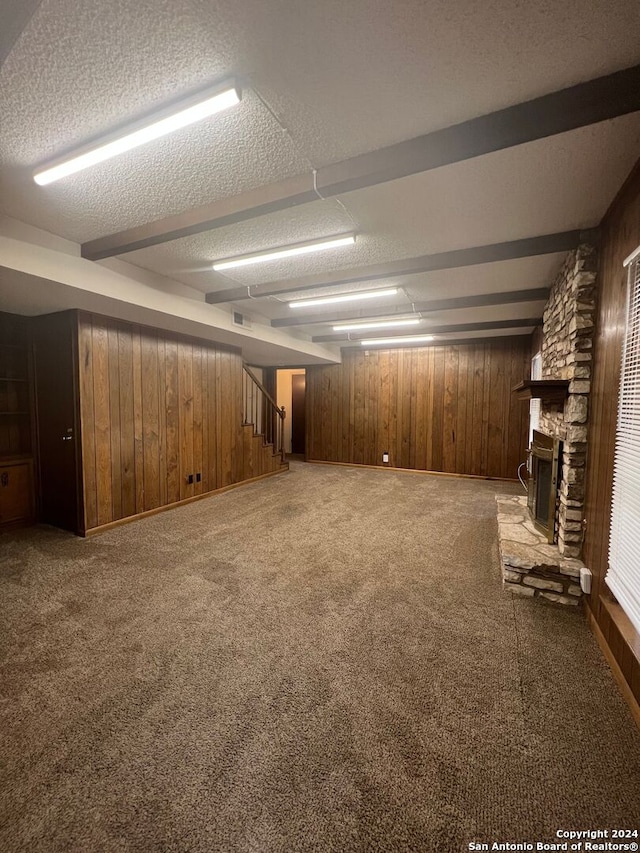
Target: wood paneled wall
15	387
620	236
436	408
155	408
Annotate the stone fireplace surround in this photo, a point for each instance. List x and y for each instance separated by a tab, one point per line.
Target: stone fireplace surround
567	341
530	566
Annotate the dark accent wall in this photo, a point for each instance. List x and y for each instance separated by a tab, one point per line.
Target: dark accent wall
436	408
620	236
15	387
157	417
156	408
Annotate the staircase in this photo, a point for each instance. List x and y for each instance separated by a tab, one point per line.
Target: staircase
263	427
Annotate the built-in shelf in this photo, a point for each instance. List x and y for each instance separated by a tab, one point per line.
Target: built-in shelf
547	390
17	430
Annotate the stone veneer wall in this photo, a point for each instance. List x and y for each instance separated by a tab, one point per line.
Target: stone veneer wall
567	341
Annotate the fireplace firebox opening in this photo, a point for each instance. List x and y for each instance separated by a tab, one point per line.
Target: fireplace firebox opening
543	482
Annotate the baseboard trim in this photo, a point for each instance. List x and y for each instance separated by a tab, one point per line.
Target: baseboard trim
103	528
621	681
413	471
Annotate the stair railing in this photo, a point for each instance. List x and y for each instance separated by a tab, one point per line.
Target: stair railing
261	410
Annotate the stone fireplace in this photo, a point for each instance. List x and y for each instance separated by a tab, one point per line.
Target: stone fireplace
541	534
567	341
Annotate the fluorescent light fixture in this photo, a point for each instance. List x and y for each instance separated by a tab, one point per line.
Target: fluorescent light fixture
410	339
382	324
286	252
188	112
345	297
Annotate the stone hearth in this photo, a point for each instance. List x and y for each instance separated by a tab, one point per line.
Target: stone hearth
530	565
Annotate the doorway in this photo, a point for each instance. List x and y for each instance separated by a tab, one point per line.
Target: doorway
298	384
54	344
290	393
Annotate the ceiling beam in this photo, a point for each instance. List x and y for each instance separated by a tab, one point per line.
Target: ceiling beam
16	15
539	294
528	247
496	339
522	323
577	106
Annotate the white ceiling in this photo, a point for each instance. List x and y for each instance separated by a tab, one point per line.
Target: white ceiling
15	16
342	79
557	184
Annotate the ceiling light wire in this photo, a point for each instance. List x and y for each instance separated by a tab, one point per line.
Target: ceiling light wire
299	149
315	185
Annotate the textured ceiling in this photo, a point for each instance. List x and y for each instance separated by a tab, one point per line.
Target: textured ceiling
430	321
343	79
236	150
15	15
520	274
555	184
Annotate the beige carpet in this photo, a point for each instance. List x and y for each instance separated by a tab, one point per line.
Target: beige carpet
321	661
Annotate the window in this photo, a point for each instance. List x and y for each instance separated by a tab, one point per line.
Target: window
623	577
534	405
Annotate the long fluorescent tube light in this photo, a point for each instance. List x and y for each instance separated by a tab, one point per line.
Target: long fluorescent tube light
346	297
286	252
415	339
383	324
195	111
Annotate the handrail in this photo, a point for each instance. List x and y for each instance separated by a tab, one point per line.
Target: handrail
260	410
257	382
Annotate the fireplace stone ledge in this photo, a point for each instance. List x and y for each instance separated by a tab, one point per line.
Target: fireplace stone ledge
530	565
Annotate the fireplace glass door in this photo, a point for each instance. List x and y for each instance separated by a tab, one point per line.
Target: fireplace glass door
543	482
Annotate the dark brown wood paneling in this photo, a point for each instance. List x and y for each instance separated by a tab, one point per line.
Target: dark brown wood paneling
172	433
136	345
17	496
114	417
127	423
157	409
15	388
620	235
438	408
16	492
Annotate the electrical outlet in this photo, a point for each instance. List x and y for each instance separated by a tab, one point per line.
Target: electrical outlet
585	580
198	478
385	457
190	479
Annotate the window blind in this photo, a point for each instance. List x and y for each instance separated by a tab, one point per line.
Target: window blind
623	576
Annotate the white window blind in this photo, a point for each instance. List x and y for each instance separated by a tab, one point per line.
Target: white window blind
623	577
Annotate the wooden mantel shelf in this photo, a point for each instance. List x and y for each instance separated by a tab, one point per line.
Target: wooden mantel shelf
547	390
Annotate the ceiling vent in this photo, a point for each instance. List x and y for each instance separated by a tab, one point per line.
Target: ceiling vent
239	319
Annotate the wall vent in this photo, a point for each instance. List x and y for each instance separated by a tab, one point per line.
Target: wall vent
239	319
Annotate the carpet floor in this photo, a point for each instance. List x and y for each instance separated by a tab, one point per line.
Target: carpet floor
321	661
